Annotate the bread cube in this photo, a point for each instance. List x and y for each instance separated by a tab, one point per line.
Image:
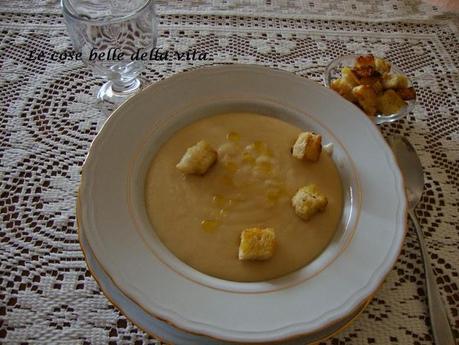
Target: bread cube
197	159
407	93
364	71
395	81
374	82
308	146
343	88
257	244
364	66
308	201
389	102
377	86
382	66
365	61
349	76
366	97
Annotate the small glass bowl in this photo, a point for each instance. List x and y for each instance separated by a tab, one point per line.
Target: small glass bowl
333	71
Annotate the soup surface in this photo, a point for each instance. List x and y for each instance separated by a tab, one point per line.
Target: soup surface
200	218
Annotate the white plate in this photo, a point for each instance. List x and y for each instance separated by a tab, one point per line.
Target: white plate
171	335
114	221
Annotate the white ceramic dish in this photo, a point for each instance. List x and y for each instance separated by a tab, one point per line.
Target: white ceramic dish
112	216
171	335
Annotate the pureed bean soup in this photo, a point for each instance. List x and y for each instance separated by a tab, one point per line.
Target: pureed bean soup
200	218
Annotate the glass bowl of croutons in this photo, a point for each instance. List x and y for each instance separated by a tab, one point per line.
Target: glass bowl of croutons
374	84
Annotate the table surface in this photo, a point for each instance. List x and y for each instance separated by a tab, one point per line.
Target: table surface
49	118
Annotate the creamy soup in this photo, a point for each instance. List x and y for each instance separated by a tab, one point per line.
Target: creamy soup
200	218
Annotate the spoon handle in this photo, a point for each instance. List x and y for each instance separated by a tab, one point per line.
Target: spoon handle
441	328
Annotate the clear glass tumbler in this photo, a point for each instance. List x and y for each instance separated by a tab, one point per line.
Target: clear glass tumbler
111	35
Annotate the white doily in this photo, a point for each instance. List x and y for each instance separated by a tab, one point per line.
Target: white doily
49	117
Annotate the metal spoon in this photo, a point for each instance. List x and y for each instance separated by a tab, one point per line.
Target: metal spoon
411	168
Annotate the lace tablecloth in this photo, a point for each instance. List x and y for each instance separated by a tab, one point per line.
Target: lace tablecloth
48	119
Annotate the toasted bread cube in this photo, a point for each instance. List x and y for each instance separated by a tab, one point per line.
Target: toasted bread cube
377	86
257	244
374	82
364	61
382	66
366	98
389	103
364	71
308	201
364	66
395	81
349	76
407	93
308	146
344	88
197	159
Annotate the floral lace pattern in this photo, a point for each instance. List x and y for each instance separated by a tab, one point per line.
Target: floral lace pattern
49	118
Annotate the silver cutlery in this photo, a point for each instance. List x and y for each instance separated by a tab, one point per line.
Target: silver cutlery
412	171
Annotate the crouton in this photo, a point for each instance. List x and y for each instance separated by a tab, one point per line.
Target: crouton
382	66
308	201
308	146
343	88
365	61
197	159
366	97
364	71
407	93
374	82
364	66
349	76
257	244
395	81
389	102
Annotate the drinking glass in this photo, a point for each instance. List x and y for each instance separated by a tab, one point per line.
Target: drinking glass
110	34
